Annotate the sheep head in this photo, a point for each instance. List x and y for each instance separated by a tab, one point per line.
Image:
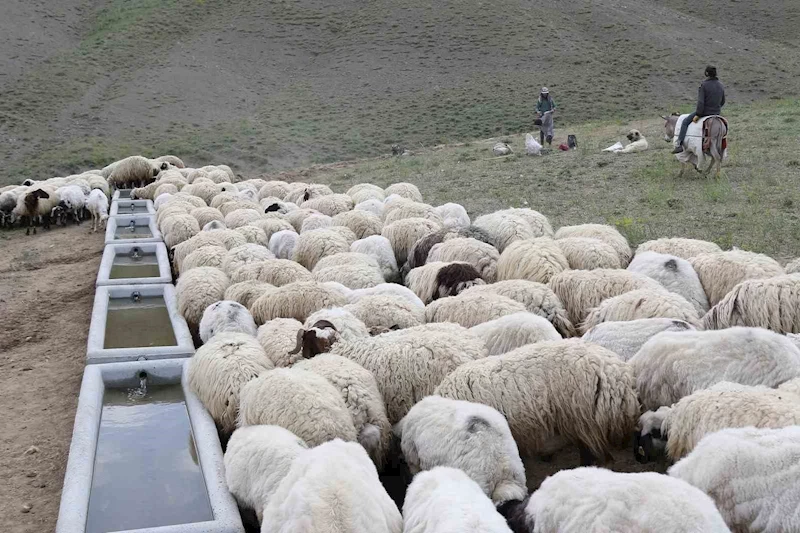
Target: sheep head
316	340
650	436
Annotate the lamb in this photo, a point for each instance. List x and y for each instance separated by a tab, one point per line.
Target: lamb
470	436
536	297
226	317
329	204
296	300
585	253
578	500
724	465
341	491
197	289
405	190
505	228
97	204
246	292
674	274
239	256
772	303
361	223
641	303
278	272
439	279
484	257
380	249
626	338
314	245
453	216
602	232
218	370
408	364
381	313
570	389
282	243
471	309
277	397
359	390
446	500
679	428
256	461
278	337
509	332
673	365
72	202
582	290
404	233
720	272
683	248
536	259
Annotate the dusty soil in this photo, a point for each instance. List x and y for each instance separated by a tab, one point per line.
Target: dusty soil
46	295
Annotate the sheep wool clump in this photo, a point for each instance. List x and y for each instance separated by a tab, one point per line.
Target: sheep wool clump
365	191
380	249
405	190
278	337
246	292
504	228
207	256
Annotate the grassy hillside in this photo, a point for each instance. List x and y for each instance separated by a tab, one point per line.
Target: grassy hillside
754	205
274	85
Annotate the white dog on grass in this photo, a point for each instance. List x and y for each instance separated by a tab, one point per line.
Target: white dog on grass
638	143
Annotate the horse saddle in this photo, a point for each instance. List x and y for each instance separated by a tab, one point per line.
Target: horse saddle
706	125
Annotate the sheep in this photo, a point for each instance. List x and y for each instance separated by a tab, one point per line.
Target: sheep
222	198
386	289
314	245
243	255
197	289
672	365
482	256
297	216
683	248
359	391
256	461
641	303
408	364
38	201
274	188
204	191
678	429
453	216
374	206
316	221
793	385
97	204
226	317
345	232
674	274
278	397
602	232
295	300
341	492
222	237
536	259
194	200
254	235
508	332
354	275
505	228
132	171
271	226
302	192
204	215
164	188
276	272
327	326
400	209
240	217
626	338
329	204
246	292
172	160
725	464
361	223
538	222
283	242
278	337
8	202
471	309
772	303
179	229
570	389
582	290
439	279
218	370
645	502
71	202
381	313
446	500
405	190
720	272
365	191
473	437
536	297
404	233
271	204
585	253
380	249
207	256
792	267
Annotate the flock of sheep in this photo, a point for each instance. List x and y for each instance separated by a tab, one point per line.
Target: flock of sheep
344	334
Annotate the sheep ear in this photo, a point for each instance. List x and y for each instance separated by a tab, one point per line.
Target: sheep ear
299	345
665	118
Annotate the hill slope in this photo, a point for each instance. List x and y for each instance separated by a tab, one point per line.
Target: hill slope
275	85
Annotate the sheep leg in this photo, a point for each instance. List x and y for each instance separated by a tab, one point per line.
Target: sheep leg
587	457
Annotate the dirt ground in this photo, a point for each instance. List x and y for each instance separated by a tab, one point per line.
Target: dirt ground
46	295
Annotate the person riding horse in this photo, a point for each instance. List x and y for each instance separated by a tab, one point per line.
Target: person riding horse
545	106
710	99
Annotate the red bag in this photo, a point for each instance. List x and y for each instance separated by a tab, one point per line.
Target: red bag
563	147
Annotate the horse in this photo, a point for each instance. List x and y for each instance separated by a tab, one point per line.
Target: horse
705	138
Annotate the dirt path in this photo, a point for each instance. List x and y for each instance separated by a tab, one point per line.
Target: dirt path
46	295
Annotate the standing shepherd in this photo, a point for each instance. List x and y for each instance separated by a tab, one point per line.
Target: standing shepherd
545	107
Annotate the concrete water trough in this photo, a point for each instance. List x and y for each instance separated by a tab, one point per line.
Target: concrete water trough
134	264
121	193
132	207
137	322
145	456
132	228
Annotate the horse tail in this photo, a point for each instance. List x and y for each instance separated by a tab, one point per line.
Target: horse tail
717	132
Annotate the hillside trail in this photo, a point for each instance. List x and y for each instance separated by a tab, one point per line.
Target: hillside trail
46	296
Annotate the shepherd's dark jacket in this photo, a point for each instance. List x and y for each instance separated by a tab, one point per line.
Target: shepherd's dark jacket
710	98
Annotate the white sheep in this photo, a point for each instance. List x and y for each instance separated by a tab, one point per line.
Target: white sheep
471	309
316	221
439	279
361	223
282	243
274	188
388	289
672	365
380	249
641	303
792	267
72	200
504	228
246	292
278	338
197	289
772	303
585	253
538	222
720	272
239	256
473	437
753	475
570	389
602	232
536	259
276	272
674	274
482	256
312	246
506	333
227	238
296	300
365	191
596	499
254	235
626	338
402	234
681	247
446	500
405	190
329	204
226	317
385	312
372	205
402	208
207	256
453	215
